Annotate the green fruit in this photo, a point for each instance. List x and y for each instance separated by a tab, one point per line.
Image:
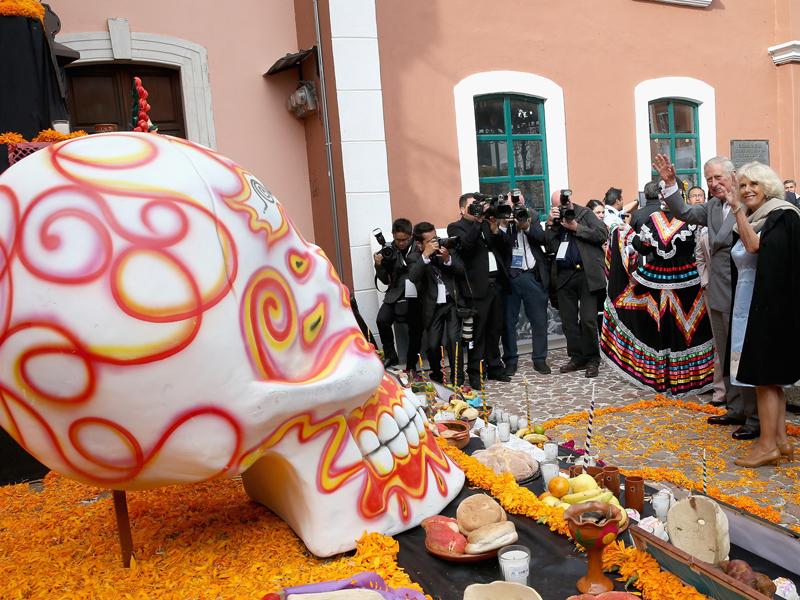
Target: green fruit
538	429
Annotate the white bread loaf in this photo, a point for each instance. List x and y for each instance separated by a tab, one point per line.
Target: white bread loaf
502	459
491	537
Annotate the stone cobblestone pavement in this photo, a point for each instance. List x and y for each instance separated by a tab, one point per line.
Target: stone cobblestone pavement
558	394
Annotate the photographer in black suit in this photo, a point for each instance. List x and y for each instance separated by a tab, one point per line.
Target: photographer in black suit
576	236
433	270
528	271
400	301
484	281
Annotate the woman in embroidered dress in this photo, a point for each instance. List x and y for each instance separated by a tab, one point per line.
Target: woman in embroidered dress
656	330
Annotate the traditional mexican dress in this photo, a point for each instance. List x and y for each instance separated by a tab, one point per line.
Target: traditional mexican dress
656	330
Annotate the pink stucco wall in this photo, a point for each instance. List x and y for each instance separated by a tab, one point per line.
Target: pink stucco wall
597	51
243	39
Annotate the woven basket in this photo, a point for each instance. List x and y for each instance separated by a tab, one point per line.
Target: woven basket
16	152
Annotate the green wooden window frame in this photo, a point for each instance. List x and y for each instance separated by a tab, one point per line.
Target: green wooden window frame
514	179
674	136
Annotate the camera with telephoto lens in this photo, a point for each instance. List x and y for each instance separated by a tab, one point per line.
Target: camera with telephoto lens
490	206
387	250
451	243
522	214
565	211
467	317
467	329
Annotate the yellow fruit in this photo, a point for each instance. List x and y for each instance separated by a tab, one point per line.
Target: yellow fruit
558	486
535	438
595	495
624	518
563	505
583	482
538	429
551	501
544	495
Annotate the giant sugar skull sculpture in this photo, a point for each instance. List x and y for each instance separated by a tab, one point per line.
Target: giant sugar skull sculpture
163	322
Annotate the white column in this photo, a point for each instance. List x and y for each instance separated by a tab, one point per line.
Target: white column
356	63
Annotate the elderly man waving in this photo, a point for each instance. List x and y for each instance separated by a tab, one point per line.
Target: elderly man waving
716	214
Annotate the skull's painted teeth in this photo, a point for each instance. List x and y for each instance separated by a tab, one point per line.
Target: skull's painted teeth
412	435
399	446
400	416
382	460
368	442
395	437
409	408
419	421
412	398
387	428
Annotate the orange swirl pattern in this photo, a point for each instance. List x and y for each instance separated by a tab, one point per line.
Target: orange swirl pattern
105	218
102	224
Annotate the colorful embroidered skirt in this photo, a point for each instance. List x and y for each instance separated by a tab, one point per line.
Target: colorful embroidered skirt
656	330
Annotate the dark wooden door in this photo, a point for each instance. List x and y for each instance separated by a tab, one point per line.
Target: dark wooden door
102	94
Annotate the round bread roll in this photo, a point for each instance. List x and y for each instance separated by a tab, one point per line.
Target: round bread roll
491	537
500	589
478	510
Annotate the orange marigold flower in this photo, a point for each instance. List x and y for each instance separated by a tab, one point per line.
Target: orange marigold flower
32	9
11	137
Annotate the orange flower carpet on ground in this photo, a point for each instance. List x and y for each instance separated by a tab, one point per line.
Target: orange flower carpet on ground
675	432
203	541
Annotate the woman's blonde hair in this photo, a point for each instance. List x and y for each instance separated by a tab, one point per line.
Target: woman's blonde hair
765	176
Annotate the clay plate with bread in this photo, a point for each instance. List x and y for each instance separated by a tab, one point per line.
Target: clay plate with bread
479	530
458	557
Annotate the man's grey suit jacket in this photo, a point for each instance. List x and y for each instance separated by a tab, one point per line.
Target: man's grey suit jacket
720	240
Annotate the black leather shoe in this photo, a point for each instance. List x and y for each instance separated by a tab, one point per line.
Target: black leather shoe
592	370
725	420
746	432
570	367
391	361
717	402
499	376
542	367
511	370
475	383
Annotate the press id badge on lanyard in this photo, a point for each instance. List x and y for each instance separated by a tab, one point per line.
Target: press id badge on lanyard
518	258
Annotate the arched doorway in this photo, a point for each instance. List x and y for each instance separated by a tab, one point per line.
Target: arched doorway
102	93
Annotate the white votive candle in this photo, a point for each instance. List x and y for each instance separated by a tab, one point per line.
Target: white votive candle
61	127
488	436
661	503
550	450
550	470
504	431
515	563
